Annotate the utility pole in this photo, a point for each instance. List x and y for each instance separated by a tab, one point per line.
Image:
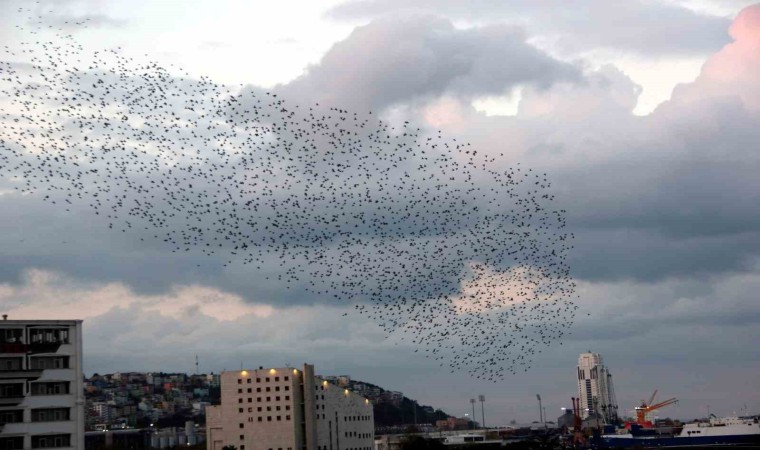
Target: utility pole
472	401
482	399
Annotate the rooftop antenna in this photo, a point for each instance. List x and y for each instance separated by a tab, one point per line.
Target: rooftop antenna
196	364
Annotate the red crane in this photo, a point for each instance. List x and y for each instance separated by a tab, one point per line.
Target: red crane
646	408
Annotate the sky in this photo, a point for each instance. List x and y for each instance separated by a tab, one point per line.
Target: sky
644	114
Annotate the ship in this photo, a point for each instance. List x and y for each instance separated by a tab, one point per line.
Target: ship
734	431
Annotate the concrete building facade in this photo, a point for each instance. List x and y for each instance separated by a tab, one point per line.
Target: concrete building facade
41	384
287	409
595	388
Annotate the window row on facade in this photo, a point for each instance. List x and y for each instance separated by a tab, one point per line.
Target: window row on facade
358	435
38	441
16	390
266	379
269	399
356	418
38	415
268	389
35	363
36	336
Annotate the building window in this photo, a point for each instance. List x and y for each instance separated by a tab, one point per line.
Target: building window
241	425
277	398
268	389
277	388
260	419
258	399
287	397
250	399
12	390
279	418
50	414
249	382
287	417
10	364
12	416
258	380
250	409
242	447
240	400
51	441
240	381
276	378
278	408
287	407
12	443
269	399
267	379
242	437
249	390
269	408
259	408
240	410
50	388
258	389
240	391
287	388
269	418
286	378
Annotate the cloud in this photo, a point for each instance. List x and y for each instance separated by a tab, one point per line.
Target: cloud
671	29
395	60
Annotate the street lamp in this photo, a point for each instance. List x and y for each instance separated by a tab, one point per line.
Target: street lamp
482	399
540	409
472	402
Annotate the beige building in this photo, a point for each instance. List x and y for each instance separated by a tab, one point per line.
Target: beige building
595	388
287	409
41	384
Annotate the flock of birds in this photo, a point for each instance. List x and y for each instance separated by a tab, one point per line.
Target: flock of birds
418	232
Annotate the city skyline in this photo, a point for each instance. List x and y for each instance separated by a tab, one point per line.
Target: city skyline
647	132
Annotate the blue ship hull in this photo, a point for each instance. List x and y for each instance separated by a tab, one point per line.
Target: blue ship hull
678	441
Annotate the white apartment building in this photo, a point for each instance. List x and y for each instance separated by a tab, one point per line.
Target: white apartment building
41	384
595	388
288	409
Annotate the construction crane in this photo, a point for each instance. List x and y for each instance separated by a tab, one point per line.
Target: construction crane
646	408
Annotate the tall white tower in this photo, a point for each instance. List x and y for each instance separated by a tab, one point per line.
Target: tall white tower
595	388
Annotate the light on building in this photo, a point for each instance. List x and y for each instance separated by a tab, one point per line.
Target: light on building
366	401
272	371
295	371
346	392
244	373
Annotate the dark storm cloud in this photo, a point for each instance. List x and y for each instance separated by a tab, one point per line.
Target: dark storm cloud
405	60
576	25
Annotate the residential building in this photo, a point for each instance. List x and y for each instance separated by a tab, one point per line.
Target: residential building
41	384
288	409
595	388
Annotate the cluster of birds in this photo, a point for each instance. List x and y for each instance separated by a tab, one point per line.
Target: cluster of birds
418	232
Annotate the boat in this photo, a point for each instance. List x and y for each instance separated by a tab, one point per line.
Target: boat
716	431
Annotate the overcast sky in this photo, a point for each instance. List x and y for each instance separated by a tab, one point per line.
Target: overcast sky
645	114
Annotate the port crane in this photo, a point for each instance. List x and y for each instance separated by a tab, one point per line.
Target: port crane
648	407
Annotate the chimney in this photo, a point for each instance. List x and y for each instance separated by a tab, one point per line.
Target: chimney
5	316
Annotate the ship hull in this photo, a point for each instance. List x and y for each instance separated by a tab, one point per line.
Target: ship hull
678	441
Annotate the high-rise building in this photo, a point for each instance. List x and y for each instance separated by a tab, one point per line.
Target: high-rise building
595	389
41	384
287	409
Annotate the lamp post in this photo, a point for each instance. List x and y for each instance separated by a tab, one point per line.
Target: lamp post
472	402
540	409
482	399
